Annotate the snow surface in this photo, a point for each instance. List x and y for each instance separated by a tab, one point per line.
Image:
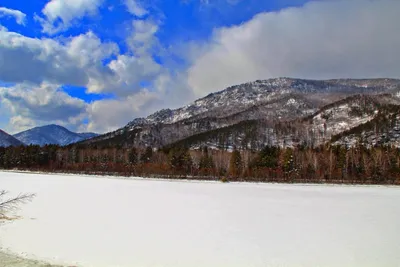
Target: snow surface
88	221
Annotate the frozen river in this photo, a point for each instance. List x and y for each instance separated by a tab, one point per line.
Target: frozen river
100	222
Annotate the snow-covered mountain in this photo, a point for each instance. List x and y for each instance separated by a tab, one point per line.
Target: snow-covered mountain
240	97
8	140
365	119
270	101
51	134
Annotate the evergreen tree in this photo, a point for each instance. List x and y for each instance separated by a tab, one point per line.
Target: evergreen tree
180	159
268	157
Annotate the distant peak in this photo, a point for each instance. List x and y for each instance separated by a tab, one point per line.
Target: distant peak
52	126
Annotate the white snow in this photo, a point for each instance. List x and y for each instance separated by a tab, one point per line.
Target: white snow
91	221
291	101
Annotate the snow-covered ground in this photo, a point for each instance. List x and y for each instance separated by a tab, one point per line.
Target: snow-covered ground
87	221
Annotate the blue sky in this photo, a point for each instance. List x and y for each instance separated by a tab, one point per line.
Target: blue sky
97	64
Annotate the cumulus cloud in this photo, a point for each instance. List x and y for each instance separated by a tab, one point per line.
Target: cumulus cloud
59	15
324	39
136	66
169	91
31	59
135	8
132	71
77	61
31	105
18	15
82	60
2	28
86	61
102	120
143	40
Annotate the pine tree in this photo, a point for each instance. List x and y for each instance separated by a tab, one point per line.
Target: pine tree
180	159
268	157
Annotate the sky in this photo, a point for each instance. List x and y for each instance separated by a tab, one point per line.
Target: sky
95	65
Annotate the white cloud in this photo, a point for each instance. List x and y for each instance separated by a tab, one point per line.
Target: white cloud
83	60
168	87
32	105
132	71
135	8
137	65
20	123
31	59
324	39
2	28
76	61
108	115
169	91
18	15
59	15
219	2
143	40
88	49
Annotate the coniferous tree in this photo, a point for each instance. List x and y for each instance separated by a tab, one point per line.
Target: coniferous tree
235	164
180	159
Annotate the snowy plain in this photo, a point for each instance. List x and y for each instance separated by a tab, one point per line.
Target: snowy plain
102	222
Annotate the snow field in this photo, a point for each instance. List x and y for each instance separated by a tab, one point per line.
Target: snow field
98	222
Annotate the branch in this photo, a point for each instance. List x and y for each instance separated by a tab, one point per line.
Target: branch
10	204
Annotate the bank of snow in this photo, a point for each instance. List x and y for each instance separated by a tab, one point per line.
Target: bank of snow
85	221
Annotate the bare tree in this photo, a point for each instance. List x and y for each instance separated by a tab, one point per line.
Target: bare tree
11	204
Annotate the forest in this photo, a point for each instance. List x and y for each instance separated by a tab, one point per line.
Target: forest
324	164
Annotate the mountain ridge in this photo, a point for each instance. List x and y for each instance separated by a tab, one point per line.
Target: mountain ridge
8	140
273	100
51	134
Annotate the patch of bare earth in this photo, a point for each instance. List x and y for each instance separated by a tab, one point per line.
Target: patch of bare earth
8	260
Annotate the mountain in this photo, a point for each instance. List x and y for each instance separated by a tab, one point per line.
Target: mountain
283	110
8	140
51	134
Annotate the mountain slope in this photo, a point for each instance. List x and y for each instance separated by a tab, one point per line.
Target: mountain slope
270	101
51	134
241	97
8	140
358	118
383	129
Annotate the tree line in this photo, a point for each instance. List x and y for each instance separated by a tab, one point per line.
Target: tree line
324	164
